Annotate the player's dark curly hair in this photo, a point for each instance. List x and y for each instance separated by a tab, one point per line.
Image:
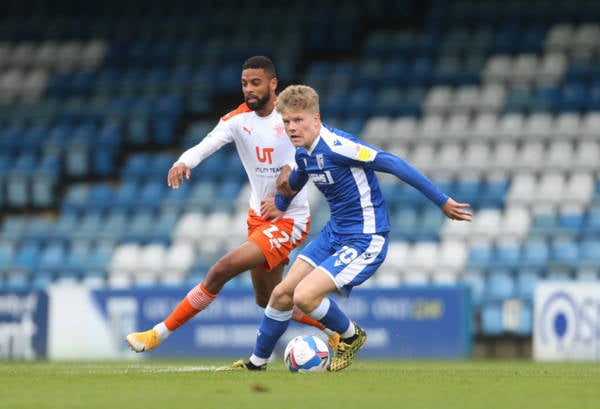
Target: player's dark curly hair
260	62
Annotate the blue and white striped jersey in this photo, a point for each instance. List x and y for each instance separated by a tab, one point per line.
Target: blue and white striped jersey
343	168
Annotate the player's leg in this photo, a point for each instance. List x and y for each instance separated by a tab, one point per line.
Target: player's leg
275	319
238	260
355	262
264	282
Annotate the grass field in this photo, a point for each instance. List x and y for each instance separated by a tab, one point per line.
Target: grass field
366	384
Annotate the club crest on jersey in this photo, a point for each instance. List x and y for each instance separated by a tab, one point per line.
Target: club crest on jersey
320	161
364	154
279	130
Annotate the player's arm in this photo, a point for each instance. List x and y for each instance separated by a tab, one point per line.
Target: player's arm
389	163
192	157
296	181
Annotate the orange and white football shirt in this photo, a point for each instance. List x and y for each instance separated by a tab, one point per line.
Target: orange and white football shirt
263	148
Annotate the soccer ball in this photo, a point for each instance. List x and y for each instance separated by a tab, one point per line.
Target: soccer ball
306	353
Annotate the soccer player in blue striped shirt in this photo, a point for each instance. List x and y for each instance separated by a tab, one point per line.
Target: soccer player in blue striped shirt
353	243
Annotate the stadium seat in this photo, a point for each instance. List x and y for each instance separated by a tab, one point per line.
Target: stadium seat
491	319
526	280
516	221
404	223
500	285
544	222
564	255
535	253
452	257
52	259
506	255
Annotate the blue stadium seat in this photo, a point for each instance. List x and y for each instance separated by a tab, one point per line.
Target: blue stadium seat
114	226
202	196
468	190
99	260
44	182
480	255
525	320
491	319
228	190
593	95
89	225
126	196
547	98
518	99
535	253
573	97
591	226
52	259
526	280
544	224
404	223
18	181
7	252
176	199
507	255
76	258
76	198
100	196
140	227
108	144
27	257
493	192
430	223
163	227
500	285
151	194
136	167
589	253
475	280
564	255
570	224
39	229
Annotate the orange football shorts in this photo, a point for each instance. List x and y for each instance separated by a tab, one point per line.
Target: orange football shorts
276	239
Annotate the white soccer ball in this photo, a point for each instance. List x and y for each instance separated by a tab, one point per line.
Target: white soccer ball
306	353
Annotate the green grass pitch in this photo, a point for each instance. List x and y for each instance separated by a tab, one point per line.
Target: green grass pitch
366	384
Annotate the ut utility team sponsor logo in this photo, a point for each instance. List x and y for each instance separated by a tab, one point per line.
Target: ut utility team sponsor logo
264	155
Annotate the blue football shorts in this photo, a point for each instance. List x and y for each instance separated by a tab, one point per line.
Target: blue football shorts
349	259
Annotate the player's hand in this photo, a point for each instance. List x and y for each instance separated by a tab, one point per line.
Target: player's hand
176	175
283	181
269	211
456	211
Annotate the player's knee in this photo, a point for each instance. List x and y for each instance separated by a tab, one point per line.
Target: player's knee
302	301
280	298
218	275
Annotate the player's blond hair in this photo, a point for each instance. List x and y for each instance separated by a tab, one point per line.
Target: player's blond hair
298	98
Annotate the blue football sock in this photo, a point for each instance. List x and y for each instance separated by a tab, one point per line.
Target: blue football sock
330	315
272	326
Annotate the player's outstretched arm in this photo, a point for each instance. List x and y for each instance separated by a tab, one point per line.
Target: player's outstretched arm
457	211
176	174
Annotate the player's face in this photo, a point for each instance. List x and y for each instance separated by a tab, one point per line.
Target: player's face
302	127
256	86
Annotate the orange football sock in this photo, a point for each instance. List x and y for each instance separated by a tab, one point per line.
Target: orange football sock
197	299
299	316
